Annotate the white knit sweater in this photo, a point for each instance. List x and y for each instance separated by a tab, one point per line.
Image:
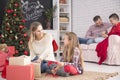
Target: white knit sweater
43	48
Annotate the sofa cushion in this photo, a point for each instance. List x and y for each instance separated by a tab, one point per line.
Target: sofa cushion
92	46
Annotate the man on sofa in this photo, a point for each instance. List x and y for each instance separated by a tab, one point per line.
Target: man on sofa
97	32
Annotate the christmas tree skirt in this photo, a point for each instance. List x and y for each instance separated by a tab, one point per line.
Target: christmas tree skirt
88	75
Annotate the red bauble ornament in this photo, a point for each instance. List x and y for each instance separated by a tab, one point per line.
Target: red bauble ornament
25	35
16	52
0	36
21	26
7	29
26	52
16	4
14	14
12	10
9	11
23	20
21	42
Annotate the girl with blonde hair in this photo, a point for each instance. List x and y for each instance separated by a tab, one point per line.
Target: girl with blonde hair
40	45
72	60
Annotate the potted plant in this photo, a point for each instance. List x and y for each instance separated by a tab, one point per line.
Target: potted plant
49	13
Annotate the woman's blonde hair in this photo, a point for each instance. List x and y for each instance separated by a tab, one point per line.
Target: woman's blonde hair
69	50
33	28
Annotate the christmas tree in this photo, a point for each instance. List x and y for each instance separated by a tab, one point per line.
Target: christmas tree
13	32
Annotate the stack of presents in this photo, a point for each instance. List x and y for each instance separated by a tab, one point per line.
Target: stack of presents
19	68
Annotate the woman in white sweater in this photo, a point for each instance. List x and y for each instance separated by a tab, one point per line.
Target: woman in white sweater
40	45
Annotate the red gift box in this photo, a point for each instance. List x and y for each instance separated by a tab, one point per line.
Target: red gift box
20	72
11	50
4	56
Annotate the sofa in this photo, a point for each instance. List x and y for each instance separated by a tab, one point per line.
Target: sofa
113	51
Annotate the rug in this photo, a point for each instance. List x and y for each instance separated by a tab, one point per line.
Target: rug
88	75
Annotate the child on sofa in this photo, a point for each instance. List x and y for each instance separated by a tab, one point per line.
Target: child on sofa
72	58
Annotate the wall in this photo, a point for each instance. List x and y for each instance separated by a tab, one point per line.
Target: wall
83	12
2	7
34	10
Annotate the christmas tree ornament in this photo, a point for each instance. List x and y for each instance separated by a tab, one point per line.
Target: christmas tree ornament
9	11
26	52
8	23
15	15
16	4
2	35
21	26
6	14
5	35
15	10
16	37
25	35
23	20
21	42
11	31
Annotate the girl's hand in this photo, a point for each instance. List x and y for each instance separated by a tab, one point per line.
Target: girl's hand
60	64
55	70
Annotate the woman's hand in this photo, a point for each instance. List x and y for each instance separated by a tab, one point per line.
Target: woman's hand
38	61
60	64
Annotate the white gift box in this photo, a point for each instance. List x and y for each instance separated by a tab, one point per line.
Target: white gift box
22	60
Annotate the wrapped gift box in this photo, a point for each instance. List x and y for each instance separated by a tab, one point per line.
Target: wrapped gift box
4	56
22	60
15	72
37	70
